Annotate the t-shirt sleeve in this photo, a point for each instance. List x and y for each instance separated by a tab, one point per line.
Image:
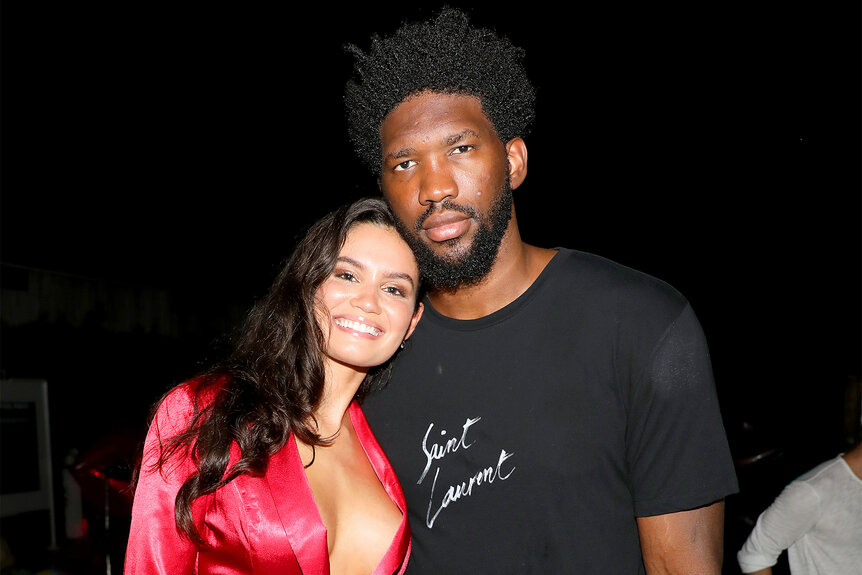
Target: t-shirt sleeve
677	449
791	515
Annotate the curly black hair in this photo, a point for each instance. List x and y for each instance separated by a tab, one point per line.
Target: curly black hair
447	55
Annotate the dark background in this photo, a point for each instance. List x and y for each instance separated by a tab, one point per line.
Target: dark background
180	150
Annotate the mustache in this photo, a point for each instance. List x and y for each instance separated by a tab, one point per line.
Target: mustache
447	205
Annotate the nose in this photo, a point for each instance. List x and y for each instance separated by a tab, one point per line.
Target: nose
436	184
366	299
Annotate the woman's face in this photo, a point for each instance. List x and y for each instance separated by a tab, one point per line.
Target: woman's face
368	303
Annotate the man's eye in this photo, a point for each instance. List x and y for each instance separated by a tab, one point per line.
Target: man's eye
462	149
405	165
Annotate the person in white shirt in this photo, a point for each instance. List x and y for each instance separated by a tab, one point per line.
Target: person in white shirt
817	518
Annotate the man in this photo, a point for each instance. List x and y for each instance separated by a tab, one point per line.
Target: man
817	518
554	412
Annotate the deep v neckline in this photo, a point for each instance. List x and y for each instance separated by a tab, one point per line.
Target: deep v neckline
314	527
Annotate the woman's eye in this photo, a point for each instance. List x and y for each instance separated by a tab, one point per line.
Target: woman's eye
394	291
346	276
406	164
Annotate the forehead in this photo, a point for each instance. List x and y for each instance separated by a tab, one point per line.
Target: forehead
379	247
431	115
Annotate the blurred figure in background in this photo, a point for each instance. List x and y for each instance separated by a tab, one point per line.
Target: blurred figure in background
817	518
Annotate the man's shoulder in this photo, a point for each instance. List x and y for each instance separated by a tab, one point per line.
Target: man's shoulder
601	278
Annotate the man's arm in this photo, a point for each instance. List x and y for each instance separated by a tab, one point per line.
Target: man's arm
688	542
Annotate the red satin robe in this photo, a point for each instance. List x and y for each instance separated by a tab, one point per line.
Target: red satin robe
266	525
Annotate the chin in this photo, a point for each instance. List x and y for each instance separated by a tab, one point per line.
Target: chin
363	361
451	251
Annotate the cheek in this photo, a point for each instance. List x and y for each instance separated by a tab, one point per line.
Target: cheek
390	190
323	320
330	295
321	304
400	198
481	182
327	300
400	316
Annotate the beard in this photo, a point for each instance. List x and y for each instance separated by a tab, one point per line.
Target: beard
461	265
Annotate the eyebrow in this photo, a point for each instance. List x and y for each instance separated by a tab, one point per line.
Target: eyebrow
389	274
455	138
448	141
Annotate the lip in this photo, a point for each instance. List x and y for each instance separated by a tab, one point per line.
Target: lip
446	225
358	330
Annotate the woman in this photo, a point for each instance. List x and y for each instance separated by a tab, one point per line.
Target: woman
265	464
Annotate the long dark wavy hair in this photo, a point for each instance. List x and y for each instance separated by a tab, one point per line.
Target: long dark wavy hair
273	380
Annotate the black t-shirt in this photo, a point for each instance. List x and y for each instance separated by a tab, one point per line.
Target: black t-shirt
528	441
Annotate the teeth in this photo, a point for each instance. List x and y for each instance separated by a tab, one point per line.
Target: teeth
356	326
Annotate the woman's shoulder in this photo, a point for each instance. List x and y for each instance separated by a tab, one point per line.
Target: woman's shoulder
185	400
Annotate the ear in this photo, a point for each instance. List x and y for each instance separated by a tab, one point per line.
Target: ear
516	152
416	315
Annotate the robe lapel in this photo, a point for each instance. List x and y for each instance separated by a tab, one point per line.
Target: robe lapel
297	511
300	519
400	547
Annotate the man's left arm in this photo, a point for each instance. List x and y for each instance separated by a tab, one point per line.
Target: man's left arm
687	542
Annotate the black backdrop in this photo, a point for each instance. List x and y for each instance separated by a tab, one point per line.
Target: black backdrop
713	144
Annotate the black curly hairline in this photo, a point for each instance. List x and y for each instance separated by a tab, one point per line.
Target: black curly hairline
481	64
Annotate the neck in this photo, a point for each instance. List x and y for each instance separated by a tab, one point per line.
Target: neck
854	460
515	268
342	382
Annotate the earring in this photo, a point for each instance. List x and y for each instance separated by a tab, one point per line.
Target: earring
402	343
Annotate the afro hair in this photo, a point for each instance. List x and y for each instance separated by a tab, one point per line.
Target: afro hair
446	55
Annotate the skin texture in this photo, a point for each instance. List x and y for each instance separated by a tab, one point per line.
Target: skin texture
688	542
441	147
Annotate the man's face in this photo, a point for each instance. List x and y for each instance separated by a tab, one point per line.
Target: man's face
445	174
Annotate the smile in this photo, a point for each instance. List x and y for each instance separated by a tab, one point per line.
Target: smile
357	326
